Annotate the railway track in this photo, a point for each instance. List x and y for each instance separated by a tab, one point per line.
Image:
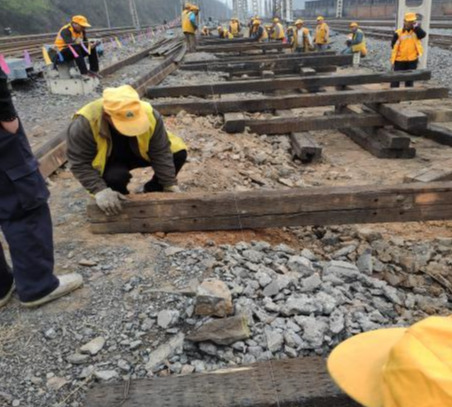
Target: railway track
444	24
15	46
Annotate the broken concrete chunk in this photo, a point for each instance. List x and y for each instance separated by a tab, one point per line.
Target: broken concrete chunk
222	331
93	347
167	318
213	298
163	352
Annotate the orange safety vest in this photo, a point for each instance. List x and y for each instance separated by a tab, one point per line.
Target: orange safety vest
187	26
280	34
407	48
234	27
264	35
322	33
77	38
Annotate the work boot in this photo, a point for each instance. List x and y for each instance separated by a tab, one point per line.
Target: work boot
68	283
93	74
5	299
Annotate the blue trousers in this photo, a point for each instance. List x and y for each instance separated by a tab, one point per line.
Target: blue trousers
24	220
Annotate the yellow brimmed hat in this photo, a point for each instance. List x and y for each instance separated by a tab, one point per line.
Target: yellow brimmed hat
320	18
299	22
256	21
81	20
276	20
395	367
410	17
126	111
353	24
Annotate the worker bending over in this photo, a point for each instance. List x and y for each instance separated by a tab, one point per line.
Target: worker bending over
234	27
116	134
277	30
258	33
407	47
72	44
302	40
222	33
25	218
322	34
190	25
206	31
356	42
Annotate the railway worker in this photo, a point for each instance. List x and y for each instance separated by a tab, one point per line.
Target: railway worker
25	218
322	34
206	31
404	367
407	47
290	33
74	35
302	40
116	134
258	33
190	25
356	42
234	27
222	33
277	30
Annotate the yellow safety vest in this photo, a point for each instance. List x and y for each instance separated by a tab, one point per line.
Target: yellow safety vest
77	38
280	35
407	48
93	113
187	26
305	44
264	35
361	47
234	27
322	33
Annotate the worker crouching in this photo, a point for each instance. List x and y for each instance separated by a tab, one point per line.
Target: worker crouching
225	34
407	47
356	43
72	44
116	134
235	28
302	40
258	32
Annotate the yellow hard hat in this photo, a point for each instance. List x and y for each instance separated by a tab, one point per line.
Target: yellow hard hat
126	111
410	17
397	366
276	20
256	21
81	20
320	18
220	28
353	24
299	21
194	8
188	6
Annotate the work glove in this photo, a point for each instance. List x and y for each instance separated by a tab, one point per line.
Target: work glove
109	201
171	188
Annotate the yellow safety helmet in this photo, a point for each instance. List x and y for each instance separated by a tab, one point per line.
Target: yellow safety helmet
81	20
188	6
299	21
194	8
410	17
319	18
220	28
256	21
276	20
353	24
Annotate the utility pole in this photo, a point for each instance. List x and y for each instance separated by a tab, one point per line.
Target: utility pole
134	13
107	13
339	8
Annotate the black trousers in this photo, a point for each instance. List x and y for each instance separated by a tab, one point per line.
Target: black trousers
117	173
80	61
404	66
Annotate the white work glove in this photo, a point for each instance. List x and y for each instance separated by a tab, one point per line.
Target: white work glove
109	201
171	188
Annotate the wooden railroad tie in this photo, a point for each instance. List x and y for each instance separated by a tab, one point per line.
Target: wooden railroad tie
185	212
275	383
305	148
255	46
432	174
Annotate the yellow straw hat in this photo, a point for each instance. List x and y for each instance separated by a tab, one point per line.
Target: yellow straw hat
397	367
319	18
299	21
354	24
410	17
126	111
81	20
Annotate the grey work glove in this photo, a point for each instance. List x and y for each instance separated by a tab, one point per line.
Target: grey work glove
171	188
109	201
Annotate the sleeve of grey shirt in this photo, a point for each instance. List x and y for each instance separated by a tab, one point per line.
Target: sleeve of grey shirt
160	154
81	151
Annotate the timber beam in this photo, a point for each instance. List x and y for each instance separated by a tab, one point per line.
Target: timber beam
163	212
206	107
435	132
400	116
264	85
256	46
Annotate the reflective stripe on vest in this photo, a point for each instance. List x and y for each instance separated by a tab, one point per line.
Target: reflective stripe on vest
187	26
93	113
77	38
407	48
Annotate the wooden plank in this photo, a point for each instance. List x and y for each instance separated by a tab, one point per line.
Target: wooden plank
287	125
435	132
162	212
290	65
206	107
262	85
392	138
305	148
234	122
283	383
400	116
440	114
256	46
432	174
368	142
